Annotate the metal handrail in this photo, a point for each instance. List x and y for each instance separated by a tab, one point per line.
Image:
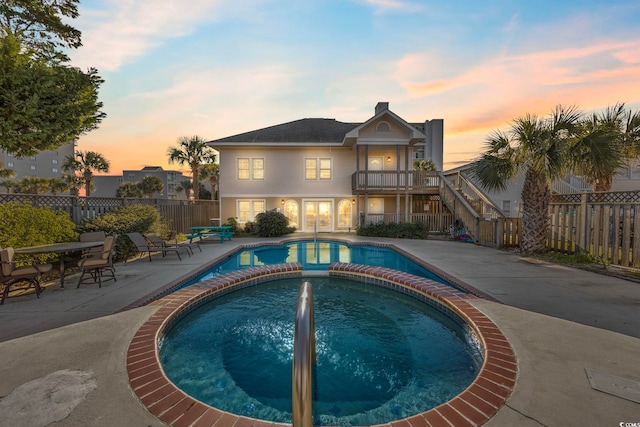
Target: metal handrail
304	356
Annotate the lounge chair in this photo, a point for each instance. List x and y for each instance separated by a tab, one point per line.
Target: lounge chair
98	266
157	241
10	274
142	246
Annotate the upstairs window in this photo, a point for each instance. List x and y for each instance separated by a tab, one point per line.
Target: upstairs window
317	169
250	168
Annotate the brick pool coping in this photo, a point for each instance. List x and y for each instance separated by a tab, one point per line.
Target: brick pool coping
473	407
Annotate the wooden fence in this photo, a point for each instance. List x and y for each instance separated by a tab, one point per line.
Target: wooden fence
603	224
179	214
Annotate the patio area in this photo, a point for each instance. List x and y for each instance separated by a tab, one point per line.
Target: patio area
562	323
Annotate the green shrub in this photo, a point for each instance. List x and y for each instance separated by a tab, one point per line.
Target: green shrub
24	225
128	219
233	223
272	224
249	227
405	230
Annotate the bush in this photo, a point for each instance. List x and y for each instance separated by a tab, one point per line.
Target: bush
405	230
249	227
24	225
233	223
128	219
272	224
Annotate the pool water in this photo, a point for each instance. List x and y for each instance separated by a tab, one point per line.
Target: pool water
381	355
317	256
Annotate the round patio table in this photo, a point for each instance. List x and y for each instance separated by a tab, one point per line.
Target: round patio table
60	249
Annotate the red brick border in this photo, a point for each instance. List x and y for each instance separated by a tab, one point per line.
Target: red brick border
473	407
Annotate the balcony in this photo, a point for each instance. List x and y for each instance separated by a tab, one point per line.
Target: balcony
418	182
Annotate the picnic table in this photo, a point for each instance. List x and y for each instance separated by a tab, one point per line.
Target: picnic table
210	231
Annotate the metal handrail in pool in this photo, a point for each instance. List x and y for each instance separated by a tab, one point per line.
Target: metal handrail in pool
304	356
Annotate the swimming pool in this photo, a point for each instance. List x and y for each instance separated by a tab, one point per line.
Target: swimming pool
317	256
478	402
381	355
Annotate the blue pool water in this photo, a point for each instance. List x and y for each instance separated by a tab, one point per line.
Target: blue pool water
381	355
318	256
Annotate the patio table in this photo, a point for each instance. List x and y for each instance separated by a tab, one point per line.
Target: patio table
59	248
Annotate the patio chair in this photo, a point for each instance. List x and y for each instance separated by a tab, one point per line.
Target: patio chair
157	241
93	236
142	246
10	274
98	266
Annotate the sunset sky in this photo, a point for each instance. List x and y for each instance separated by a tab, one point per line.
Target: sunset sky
216	68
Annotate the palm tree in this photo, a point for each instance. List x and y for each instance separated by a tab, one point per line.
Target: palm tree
423	165
601	148
211	171
129	189
151	184
194	152
6	173
33	185
9	185
86	162
57	185
537	147
73	182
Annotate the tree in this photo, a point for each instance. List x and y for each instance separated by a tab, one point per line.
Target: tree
537	147
151	184
73	182
8	184
41	24
211	171
86	163
129	189
194	152
58	185
608	139
423	165
33	185
6	173
44	102
185	186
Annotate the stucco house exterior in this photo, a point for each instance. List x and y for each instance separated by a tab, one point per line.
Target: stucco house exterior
326	175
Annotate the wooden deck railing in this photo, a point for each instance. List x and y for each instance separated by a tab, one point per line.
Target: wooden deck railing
407	181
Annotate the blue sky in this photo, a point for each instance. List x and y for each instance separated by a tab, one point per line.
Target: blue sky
219	68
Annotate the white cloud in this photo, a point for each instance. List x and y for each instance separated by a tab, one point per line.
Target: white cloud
126	29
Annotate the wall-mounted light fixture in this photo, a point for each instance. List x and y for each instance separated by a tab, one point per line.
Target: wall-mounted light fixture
353	201
388	158
282	202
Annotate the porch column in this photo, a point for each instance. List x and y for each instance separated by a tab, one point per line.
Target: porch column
357	168
398	207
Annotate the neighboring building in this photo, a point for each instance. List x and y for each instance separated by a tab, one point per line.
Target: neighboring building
46	164
107	185
327	175
509	201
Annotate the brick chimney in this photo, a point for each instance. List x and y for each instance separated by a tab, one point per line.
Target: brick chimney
382	106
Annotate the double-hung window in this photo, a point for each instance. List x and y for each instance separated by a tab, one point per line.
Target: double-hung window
247	209
250	168
317	169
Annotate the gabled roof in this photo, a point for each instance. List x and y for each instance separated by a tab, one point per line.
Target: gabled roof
415	133
304	131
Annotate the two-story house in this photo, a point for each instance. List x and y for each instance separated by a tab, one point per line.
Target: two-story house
326	175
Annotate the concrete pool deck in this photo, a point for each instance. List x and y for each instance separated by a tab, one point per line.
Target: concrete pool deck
562	323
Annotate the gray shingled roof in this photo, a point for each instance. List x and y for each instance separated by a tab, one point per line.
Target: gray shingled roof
299	131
